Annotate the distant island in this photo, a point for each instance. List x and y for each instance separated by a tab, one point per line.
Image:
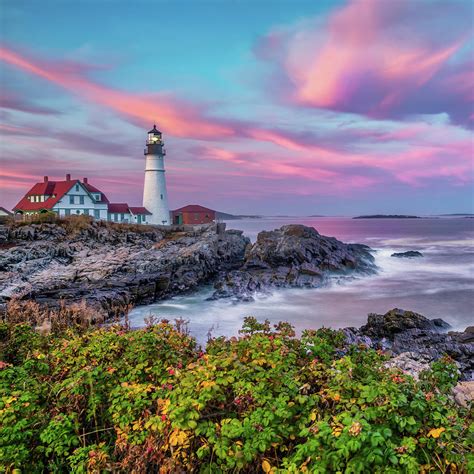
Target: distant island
458	214
232	217
387	216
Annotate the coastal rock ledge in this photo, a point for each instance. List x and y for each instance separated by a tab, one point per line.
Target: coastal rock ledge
294	256
110	266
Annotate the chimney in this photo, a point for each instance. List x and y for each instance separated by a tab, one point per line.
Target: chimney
85	180
45	179
68	177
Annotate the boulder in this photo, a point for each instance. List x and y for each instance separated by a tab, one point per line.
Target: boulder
398	320
408	254
294	256
407	332
463	393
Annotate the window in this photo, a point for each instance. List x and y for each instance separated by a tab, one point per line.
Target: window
115	217
86	212
78	212
77	187
122	217
71	199
81	199
97	197
67	212
161	195
97	213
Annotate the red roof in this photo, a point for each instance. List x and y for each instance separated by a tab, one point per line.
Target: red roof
193	208
118	207
93	189
52	188
140	210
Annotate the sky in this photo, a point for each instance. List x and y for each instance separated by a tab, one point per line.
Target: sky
266	106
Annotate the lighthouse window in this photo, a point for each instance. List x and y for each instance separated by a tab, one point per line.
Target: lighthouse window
161	196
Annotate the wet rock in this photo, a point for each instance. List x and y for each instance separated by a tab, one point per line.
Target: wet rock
397	320
293	256
408	254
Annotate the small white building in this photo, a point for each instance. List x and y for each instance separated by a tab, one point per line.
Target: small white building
73	197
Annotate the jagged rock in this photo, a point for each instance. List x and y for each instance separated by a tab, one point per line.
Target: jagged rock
292	256
402	331
408	254
107	265
397	320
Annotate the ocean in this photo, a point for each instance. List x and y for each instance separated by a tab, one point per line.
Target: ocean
437	285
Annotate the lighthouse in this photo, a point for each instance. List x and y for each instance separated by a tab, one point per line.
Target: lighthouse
155	197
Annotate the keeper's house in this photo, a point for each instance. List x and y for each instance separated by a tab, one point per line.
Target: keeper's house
75	197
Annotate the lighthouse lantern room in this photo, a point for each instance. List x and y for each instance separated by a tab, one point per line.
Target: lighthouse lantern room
155	196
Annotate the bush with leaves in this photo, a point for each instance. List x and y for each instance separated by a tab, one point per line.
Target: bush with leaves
112	399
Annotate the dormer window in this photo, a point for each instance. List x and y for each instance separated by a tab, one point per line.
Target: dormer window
77	187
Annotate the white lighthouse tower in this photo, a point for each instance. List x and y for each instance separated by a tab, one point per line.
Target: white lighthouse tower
155	197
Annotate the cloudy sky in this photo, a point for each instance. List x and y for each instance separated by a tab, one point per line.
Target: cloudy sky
266	106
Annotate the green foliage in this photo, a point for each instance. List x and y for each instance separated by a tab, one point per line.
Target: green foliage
112	399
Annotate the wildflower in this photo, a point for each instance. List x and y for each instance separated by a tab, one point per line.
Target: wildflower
163	417
171	371
355	429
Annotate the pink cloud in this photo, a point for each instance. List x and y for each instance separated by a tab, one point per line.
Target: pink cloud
177	117
377	58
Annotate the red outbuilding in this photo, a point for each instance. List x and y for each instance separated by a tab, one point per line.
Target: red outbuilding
193	214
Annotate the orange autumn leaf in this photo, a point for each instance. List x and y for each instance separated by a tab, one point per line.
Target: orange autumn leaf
436	432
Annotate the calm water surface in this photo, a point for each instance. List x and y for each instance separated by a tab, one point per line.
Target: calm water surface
439	285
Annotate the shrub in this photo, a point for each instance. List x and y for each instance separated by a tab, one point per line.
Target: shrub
111	399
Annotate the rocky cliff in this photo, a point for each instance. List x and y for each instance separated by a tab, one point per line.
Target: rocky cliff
110	265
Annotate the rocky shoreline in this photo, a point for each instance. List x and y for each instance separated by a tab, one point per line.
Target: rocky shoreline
111	266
